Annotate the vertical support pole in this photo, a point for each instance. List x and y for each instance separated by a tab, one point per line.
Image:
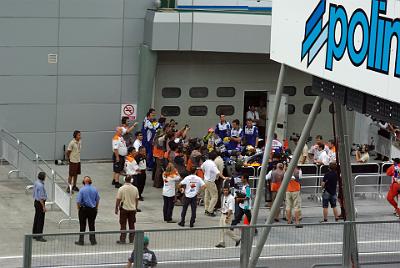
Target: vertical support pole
245	247
288	174
18	156
348	187
27	261
268	146
53	188
138	249
36	166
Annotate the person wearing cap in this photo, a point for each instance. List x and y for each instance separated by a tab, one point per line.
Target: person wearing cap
394	189
227	212
119	152
39	197
87	203
126	203
149	257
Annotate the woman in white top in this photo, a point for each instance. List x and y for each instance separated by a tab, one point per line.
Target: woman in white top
170	178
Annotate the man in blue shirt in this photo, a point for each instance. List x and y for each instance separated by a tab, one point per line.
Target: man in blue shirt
250	134
223	128
87	202
235	136
40	197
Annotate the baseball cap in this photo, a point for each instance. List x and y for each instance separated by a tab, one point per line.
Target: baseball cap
211	130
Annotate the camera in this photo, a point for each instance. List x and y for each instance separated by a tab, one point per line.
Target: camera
296	137
240	194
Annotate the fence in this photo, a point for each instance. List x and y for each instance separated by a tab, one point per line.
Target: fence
26	163
313	245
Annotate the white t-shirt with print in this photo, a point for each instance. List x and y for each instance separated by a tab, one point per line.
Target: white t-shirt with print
169	185
192	184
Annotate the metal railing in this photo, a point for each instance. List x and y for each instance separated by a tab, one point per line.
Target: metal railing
314	244
27	163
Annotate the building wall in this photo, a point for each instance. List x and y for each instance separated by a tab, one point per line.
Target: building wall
244	72
97	44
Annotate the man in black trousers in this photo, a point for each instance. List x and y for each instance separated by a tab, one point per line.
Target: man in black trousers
39	196
87	202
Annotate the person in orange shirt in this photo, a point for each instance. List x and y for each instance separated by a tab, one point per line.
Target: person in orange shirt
293	198
276	180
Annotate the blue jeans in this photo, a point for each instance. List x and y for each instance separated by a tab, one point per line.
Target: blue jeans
327	199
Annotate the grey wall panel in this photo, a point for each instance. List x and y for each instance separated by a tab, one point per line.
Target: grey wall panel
28	117
185	31
92	8
136	9
28	32
95	145
131	60
133	32
28	89
89	89
90	61
129	89
91	32
29	8
26	61
42	143
92	117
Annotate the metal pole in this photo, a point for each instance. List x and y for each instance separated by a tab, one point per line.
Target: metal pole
18	155
245	247
350	248
36	166
27	251
288	174
138	249
268	146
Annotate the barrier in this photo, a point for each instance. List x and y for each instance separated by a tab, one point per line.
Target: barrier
26	163
195	247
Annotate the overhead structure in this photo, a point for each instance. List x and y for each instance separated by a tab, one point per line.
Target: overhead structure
351	48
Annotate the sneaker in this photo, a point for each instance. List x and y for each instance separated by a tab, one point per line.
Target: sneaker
206	213
220	245
323	221
79	243
191	225
171	221
113	182
141	199
117	185
74	188
182	224
299	225
237	243
211	214
121	242
68	190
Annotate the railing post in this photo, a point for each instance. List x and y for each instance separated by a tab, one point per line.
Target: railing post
27	251
138	249
245	247
18	155
36	166
53	188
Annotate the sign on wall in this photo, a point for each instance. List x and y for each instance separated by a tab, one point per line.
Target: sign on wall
351	42
225	4
129	110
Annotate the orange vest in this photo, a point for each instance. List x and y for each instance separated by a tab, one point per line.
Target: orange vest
293	186
158	152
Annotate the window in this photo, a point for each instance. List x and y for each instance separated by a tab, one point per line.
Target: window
171	92
307	108
308	91
225	110
291	109
225	92
289	90
198	110
198	92
170	111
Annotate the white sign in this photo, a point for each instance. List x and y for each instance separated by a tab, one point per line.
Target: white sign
225	4
350	42
129	110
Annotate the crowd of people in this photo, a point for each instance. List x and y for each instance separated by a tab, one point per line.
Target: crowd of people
191	171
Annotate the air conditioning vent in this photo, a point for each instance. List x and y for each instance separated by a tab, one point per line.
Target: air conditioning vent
52	58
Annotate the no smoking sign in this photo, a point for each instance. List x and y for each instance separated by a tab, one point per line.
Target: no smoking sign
128	110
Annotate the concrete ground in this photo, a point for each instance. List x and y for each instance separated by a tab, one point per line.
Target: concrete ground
16	210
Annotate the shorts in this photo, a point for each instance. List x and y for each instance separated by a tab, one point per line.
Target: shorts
293	200
118	167
327	199
74	169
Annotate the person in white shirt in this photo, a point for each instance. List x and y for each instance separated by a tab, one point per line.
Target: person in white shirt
323	158
227	212
119	153
304	154
138	141
170	178
131	166
332	151
211	172
362	155
193	184
253	115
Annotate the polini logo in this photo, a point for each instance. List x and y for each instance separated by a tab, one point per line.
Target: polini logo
377	35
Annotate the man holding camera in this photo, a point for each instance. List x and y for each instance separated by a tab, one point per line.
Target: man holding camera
362	155
243	197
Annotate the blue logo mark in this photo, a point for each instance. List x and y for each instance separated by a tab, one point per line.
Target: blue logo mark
378	33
